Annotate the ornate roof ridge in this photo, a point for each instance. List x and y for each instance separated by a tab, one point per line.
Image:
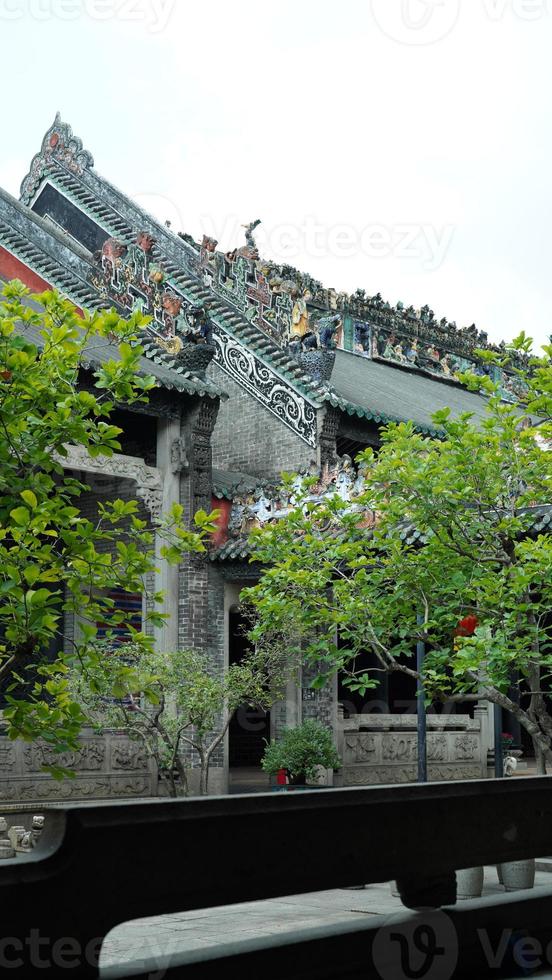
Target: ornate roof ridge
420	322
60	143
52	265
278	315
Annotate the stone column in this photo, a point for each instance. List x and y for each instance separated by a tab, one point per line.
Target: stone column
196	494
170	463
483	714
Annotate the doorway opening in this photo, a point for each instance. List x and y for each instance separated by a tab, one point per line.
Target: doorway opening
249	727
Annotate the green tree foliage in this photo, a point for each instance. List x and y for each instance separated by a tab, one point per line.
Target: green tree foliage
184	704
457	531
54	561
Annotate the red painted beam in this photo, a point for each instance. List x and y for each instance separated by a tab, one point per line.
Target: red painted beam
12	268
221	534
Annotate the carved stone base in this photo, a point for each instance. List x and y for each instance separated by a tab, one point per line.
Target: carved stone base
108	766
390	775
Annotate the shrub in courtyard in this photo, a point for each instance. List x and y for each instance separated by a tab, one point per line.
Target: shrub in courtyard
301	751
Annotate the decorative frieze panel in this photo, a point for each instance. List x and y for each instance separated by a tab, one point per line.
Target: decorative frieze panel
7	757
268	503
384	749
37	791
131	277
383	776
265	385
89	757
128	755
105	766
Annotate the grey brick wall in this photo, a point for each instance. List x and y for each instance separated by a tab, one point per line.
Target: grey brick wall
249	438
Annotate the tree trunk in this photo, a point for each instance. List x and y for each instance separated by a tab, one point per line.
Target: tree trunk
183	777
204	775
537	723
168	778
540	759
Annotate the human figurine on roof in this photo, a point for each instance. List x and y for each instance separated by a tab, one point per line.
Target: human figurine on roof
201	328
412	351
300	323
249	250
327	328
363	338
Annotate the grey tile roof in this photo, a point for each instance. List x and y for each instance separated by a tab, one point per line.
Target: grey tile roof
358	387
236	549
384	393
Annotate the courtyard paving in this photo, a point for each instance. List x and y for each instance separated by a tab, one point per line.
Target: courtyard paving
151	943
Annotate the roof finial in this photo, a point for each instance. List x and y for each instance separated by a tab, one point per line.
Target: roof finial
59	146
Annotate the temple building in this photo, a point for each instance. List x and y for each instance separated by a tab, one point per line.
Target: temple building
259	369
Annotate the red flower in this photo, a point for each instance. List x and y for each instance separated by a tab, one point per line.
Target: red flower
467	626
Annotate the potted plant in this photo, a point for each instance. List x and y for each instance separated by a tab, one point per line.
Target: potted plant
301	751
507	741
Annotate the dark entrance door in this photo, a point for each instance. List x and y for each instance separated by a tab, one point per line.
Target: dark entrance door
249	728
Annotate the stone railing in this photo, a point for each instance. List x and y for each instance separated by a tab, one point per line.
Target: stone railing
108	766
383	748
96	867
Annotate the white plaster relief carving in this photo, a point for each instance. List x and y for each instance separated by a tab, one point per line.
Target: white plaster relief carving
265	385
148	478
128	467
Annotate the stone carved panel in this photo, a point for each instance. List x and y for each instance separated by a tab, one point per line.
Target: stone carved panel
392	775
128	756
75	789
89	757
466	747
148	478
454	772
105	767
7	757
126	467
360	748
404	748
378	754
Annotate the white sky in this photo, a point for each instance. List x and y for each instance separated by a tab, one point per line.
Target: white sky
403	146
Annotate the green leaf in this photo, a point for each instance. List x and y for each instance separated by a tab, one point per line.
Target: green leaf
20	515
30	498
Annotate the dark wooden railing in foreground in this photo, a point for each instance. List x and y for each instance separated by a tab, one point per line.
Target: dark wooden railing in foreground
100	865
